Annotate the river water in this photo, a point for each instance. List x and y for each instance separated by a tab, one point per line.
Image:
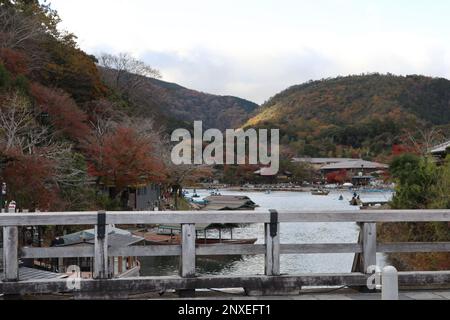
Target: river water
292	233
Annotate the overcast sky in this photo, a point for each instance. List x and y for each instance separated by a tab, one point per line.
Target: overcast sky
256	48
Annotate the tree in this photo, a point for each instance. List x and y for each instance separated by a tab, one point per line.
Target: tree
14	61
125	73
420	185
33	160
19	131
300	171
121	159
30	180
62	112
5	77
416	178
442	188
17	28
339	177
422	141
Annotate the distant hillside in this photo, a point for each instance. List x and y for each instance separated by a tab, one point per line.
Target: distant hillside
183	104
356	115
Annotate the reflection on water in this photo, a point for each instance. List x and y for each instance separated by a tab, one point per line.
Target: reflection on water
163	266
292	233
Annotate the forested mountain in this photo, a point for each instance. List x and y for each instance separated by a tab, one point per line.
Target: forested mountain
154	96
365	115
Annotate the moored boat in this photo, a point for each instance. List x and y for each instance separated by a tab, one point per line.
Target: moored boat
156	239
171	235
320	192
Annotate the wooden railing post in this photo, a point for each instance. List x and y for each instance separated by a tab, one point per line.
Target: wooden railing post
188	256
11	254
272	235
101	261
188	251
369	239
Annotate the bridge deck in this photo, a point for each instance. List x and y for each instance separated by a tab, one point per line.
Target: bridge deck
239	295
344	294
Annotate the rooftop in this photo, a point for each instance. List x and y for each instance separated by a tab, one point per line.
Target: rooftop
116	238
355	164
440	148
27	274
321	160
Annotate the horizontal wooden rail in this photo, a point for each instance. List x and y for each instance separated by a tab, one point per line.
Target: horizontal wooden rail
230	250
242	217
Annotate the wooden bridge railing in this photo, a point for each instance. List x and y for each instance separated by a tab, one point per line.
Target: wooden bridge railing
188	250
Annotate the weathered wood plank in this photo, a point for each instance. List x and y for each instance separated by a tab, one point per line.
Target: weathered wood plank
272	258
62	252
188	251
230	250
321	248
10	254
101	258
414	247
49	219
220	249
369	254
148	284
146	251
192	217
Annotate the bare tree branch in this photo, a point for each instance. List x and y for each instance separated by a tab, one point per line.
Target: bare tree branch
125	73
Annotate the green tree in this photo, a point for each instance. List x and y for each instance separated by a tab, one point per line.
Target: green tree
416	179
421	185
442	188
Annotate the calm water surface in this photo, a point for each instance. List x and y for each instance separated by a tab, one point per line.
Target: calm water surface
292	233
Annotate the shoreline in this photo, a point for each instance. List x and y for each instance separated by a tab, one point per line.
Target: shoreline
283	189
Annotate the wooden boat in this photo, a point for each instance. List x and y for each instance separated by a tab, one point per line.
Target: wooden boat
171	235
355	202
167	240
320	192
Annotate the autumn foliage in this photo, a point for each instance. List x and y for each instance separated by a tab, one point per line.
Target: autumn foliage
62	111
30	180
123	159
15	62
338	177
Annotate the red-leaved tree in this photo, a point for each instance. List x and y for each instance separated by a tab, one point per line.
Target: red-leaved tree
123	158
31	181
338	177
62	111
